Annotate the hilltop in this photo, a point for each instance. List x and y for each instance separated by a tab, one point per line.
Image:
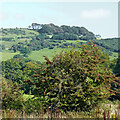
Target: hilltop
54	29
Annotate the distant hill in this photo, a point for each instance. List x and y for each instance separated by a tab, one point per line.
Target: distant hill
26	41
54	29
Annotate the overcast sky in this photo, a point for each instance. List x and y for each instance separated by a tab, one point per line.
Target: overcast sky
98	17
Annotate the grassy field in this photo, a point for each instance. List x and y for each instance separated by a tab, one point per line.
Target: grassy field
114	55
75	41
8	44
6	32
22	37
6	54
38	55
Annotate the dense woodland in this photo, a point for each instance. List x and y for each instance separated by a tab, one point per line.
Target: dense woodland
78	78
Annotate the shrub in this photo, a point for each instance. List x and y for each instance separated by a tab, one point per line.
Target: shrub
74	79
12	96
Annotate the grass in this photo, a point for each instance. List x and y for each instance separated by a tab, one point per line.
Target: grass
75	41
114	55
38	55
35	55
102	110
8	44
27	33
30	31
6	54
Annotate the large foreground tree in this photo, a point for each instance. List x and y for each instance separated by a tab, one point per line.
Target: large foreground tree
76	79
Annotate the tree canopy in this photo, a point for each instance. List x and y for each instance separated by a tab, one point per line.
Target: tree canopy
74	79
54	29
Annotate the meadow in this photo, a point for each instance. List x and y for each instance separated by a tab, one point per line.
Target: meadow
38	55
6	54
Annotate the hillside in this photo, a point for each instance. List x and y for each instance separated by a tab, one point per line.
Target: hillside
49	37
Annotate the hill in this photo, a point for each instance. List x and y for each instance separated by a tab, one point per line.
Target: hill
49	37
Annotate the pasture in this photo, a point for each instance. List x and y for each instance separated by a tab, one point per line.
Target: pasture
38	55
6	54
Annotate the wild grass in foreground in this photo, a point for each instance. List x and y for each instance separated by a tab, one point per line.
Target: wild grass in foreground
104	111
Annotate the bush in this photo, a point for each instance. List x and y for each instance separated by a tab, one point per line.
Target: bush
12	96
74	79
33	105
65	36
18	56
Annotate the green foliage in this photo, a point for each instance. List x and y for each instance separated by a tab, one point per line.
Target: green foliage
25	41
25	51
22	48
65	36
53	29
13	69
50	29
85	32
14	36
110	44
13	31
17	32
37	44
14	99
115	66
74	79
2	47
42	36
18	56
7	39
33	105
12	96
18	70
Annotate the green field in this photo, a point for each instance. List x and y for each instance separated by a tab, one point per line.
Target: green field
75	41
16	37
8	44
6	32
35	55
38	55
114	56
6	54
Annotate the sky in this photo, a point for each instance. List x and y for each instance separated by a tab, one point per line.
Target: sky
99	17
